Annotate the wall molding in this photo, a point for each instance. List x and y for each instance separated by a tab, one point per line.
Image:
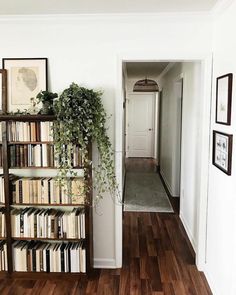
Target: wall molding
187	229
110	17
104	263
211	283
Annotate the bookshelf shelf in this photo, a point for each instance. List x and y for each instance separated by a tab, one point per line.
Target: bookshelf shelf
48	205
13	240
30	142
27	118
46	239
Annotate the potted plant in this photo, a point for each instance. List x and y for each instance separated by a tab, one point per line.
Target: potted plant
81	118
46	98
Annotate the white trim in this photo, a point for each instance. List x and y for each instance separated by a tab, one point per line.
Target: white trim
220	6
104	263
211	283
205	160
167	184
130	17
188	231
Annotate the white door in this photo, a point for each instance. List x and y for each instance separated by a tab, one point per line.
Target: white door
140	125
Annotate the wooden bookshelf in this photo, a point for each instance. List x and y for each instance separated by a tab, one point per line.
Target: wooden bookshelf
9	205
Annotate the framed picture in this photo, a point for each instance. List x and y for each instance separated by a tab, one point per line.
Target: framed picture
224	99
222	151
26	78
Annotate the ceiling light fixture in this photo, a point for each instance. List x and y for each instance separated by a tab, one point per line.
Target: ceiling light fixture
146	85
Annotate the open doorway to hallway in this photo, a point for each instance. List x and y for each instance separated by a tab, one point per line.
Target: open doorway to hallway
147	127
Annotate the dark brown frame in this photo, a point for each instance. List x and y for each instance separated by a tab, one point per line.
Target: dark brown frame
11	59
229	102
230	149
3	73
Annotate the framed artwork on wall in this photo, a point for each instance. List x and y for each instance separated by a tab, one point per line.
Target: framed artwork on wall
26	78
222	151
3	90
224	99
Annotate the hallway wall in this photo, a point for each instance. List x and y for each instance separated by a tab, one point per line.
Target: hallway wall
191	73
221	224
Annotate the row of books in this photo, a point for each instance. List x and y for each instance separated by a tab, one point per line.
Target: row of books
48	223
3	256
32	155
39	155
2	193
47	191
49	257
30	131
2	222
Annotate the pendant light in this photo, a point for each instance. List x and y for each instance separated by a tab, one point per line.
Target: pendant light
146	85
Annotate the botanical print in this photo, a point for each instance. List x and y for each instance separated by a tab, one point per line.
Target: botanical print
24	84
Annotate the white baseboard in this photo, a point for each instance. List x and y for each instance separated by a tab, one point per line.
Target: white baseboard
189	233
211	283
104	263
168	185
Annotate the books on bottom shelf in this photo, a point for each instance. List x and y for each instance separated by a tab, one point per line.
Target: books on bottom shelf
3	256
38	256
48	223
46	191
2	223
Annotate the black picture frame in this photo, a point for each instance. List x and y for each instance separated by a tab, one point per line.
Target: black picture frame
26	77
222	151
224	86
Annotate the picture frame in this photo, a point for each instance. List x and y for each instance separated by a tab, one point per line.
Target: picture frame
26	78
222	151
3	90
224	86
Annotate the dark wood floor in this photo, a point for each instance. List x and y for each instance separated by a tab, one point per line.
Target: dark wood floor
157	260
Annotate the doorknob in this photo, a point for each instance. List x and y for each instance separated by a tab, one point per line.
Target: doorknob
150	129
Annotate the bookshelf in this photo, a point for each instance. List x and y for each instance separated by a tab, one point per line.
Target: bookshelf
52	232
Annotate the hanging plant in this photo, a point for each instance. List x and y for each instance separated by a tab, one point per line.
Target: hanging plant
81	119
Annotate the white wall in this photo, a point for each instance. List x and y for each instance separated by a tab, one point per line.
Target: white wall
221	239
86	50
191	73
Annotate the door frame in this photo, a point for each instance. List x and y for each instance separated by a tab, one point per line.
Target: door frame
127	119
206	97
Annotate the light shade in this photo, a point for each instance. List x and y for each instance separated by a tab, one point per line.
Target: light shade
146	85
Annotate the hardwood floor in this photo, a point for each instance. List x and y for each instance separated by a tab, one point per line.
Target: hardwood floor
157	260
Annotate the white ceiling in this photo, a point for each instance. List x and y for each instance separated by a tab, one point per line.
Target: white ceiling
102	6
145	69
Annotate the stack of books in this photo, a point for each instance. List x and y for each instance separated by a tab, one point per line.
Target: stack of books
49	257
47	191
48	223
2	223
30	131
3	256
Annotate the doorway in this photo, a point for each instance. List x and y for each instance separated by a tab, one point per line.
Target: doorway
203	142
140	125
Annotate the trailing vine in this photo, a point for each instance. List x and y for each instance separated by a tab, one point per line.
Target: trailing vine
81	118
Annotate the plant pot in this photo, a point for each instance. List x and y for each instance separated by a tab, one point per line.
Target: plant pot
47	108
